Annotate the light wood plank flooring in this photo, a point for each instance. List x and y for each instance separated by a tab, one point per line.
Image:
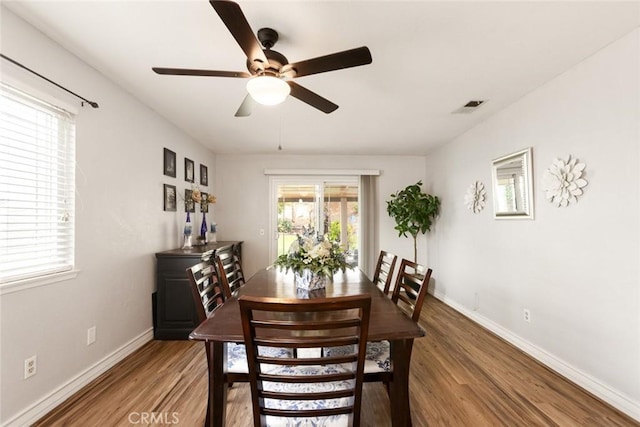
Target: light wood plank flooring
461	375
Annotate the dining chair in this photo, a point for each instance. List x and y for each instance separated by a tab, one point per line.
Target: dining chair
409	292
208	295
230	271
306	391
383	274
205	289
236	248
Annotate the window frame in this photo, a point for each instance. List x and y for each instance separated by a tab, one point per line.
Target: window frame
67	269
318	180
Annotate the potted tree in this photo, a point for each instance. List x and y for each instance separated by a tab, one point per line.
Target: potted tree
414	212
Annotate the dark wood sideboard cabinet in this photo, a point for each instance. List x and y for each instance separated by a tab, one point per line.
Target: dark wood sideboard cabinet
174	311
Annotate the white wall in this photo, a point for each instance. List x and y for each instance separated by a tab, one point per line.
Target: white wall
575	268
120	225
243	197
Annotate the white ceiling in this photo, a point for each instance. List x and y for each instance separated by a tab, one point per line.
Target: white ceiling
429	59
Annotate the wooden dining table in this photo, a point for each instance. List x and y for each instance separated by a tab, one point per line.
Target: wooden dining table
387	322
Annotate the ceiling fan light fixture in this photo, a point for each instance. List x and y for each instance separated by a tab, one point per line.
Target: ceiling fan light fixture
268	90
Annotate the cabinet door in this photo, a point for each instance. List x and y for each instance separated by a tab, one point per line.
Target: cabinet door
176	314
178	307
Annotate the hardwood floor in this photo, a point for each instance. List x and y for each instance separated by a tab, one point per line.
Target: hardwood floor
461	375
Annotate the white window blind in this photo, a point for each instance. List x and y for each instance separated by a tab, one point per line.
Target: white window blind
37	186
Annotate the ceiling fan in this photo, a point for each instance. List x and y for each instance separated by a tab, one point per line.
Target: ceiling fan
270	73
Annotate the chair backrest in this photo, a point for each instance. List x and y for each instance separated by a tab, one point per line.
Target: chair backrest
384	271
205	289
236	248
230	271
411	287
297	324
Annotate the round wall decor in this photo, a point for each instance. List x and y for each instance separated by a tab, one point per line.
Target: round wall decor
563	181
475	197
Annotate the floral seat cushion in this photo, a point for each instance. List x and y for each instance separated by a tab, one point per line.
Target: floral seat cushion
237	356
307	353
378	357
329	421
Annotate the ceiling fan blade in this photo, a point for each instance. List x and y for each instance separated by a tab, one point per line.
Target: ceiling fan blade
207	73
237	24
335	61
312	98
246	108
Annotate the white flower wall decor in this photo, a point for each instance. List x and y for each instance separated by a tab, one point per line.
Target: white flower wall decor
475	197
563	181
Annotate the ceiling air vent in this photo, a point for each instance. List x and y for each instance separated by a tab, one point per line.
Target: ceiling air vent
469	107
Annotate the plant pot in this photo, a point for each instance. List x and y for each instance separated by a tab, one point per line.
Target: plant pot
306	294
310	281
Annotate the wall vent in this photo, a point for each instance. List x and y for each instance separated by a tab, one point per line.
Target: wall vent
469	107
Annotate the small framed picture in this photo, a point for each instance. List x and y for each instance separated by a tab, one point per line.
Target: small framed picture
189	170
204	206
189	204
169	163
169	197
204	175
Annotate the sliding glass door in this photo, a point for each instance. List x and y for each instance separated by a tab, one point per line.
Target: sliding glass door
326	206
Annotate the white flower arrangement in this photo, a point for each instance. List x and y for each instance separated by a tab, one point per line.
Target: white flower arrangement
319	255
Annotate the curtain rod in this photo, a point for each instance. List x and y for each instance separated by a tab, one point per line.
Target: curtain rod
93	104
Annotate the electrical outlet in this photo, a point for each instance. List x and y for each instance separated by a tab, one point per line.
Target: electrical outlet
30	367
91	335
527	315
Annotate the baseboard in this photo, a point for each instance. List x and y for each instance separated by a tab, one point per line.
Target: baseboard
592	385
56	397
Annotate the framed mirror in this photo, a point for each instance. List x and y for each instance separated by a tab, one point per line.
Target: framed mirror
513	186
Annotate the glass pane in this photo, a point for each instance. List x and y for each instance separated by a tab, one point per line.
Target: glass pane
297	212
341	217
328	208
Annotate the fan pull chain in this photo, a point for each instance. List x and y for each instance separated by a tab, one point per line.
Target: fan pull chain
280	133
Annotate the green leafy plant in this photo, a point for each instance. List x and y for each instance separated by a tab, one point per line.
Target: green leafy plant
334	234
285	226
334	231
413	211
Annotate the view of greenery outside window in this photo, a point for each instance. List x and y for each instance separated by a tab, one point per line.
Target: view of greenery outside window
298	213
37	187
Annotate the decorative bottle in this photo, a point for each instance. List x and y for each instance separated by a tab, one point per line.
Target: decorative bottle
203	229
187	233
212	234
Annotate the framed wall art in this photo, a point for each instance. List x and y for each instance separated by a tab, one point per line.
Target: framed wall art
189	203
189	170
204	175
204	206
169	197
169	163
